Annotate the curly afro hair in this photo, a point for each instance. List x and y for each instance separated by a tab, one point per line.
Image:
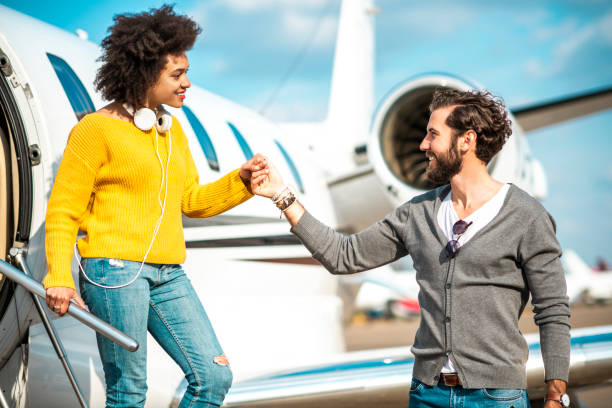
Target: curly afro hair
135	52
479	111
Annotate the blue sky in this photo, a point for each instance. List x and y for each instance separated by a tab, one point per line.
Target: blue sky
524	51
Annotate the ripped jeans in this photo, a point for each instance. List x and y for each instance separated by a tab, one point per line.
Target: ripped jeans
163	302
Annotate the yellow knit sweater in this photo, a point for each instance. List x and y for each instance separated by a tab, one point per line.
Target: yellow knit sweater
108	185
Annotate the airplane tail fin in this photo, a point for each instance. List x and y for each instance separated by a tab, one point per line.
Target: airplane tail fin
574	264
352	88
351	104
577	274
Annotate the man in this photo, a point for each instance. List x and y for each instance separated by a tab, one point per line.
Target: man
479	247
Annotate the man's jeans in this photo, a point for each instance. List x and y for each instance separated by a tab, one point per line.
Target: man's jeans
424	396
163	302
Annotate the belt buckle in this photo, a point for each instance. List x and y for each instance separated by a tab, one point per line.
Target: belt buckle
451	380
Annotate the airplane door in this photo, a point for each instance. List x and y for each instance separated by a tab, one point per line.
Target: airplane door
19	155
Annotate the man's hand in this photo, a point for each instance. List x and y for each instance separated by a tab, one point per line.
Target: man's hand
266	182
58	299
555	387
256	163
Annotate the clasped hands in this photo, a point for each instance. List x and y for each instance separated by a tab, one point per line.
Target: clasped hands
260	176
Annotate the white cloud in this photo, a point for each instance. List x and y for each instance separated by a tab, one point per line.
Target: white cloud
606	27
430	20
608	174
299	26
298	101
564	29
199	13
534	67
219	65
531	18
296	110
245	6
298	18
575	40
567	48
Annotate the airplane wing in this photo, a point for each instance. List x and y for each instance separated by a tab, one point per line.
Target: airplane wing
559	110
386	380
379	377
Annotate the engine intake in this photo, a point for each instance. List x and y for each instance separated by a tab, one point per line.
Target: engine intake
400	125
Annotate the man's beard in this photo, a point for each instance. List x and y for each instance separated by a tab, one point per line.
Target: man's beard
447	165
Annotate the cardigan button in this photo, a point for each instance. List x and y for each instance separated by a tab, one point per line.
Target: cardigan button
447	319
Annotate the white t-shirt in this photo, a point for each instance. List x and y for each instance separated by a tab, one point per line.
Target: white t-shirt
447	217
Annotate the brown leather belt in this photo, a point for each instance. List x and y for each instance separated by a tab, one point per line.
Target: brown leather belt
450	380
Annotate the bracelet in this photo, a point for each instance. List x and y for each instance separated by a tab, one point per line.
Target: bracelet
285	203
285	194
283	188
289	205
282	201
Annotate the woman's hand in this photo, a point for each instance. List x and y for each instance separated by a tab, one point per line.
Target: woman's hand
267	182
256	163
58	299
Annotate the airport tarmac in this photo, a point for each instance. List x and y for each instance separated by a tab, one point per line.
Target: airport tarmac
393	333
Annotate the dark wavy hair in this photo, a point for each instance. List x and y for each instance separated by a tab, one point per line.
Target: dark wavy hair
479	111
135	51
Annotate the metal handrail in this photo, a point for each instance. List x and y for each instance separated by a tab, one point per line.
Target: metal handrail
75	311
17	256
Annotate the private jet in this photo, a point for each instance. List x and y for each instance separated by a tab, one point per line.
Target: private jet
277	313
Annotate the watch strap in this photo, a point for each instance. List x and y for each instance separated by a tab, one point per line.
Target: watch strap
557	397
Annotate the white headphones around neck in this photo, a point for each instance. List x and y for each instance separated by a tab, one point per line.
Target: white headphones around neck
145	118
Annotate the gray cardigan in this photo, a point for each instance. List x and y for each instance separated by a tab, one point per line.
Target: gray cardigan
470	304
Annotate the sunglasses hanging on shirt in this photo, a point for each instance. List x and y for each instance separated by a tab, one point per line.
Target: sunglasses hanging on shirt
459	228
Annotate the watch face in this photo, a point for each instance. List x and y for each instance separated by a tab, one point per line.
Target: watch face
565	400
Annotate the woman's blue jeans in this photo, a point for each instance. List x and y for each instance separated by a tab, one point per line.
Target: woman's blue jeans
442	396
163	302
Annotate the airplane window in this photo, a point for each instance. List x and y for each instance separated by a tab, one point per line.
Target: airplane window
248	153
205	142
77	94
294	170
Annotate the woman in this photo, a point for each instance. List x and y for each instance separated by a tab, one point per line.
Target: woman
125	179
